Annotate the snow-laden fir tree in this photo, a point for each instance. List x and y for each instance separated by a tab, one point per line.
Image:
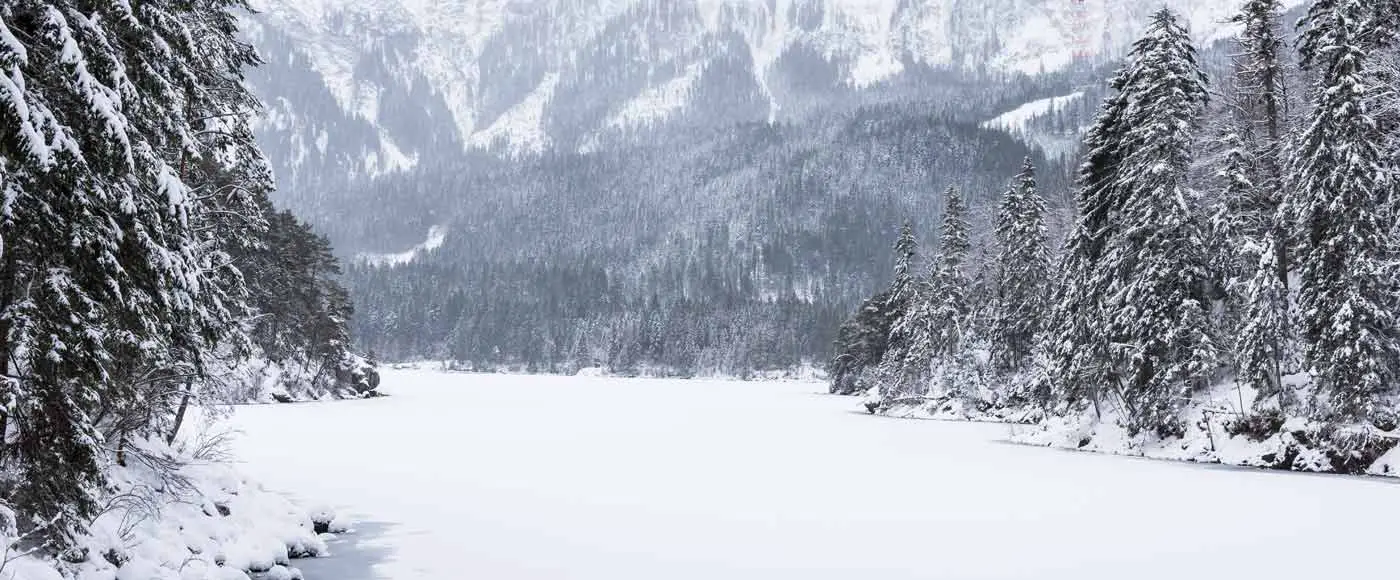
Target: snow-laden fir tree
906	254
133	194
1022	270
1262	334
1139	244
1261	90
1382	45
1342	198
863	340
947	310
903	370
1077	349
1250	228
1257	125
949	278
1156	269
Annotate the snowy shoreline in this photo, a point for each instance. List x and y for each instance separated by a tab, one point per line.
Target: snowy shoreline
1297	445
1294	445
182	513
235	528
805	373
1204	463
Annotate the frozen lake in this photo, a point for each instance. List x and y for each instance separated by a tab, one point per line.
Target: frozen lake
514	477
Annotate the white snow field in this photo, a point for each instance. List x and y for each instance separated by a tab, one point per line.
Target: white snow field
528	477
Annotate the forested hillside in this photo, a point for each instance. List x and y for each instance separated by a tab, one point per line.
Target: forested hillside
1227	291
735	252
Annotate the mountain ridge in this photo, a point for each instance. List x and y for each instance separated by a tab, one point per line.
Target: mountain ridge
517	77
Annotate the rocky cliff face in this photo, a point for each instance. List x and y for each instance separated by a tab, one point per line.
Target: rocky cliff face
363	87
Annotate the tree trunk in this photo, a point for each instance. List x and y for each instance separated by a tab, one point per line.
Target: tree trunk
180	414
7	297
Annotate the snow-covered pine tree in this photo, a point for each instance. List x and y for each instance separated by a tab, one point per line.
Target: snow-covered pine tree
933	316
1249	225
904	372
949	279
863	340
948	311
1076	345
1257	129
112	288
1263	333
906	253
1382	43
901	372
1022	272
1131	315
860	344
1155	268
1341	198
1260	85
303	310
1381	24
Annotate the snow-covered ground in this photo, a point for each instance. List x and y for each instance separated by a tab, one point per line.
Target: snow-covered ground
523	477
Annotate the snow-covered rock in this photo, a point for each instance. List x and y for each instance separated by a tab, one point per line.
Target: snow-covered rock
264	381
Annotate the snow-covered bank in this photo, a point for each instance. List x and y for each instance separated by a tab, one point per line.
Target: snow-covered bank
1221	426
264	381
948	409
1293	445
540	477
1224	425
180	514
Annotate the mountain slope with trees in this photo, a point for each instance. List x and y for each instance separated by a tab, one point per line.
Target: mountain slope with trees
732	253
1281	236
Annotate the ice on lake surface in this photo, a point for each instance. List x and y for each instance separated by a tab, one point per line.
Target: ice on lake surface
529	477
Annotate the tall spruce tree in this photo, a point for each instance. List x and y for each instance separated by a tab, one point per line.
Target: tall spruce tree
949	279
114	287
1251	226
1254	174
1022	272
1341	196
863	340
1155	268
906	253
302	309
900	373
907	372
1132	315
1078	351
1382	42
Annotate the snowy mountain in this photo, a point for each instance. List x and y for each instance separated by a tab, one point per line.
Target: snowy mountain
589	163
392	81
